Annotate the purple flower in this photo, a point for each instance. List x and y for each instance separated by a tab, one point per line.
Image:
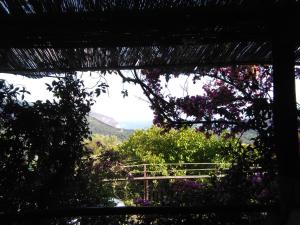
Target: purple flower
146	202
141	202
257	178
186	185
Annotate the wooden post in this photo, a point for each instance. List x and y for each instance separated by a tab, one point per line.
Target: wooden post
146	184
285	122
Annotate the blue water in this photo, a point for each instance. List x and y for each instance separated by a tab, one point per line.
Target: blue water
135	124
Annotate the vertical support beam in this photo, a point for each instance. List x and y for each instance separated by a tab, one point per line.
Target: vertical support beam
285	111
285	122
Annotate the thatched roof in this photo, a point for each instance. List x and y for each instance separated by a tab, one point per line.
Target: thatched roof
42	37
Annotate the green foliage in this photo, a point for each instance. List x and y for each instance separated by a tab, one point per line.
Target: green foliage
100	143
107	163
42	147
185	145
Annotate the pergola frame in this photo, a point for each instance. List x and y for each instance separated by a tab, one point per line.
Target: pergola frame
163	27
259	22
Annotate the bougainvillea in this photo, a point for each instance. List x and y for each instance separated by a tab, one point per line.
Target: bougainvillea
236	99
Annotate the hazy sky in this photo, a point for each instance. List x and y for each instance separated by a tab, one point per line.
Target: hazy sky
133	109
112	104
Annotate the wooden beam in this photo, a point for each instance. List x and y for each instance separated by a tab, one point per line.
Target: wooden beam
285	123
110	40
67	212
285	111
154	27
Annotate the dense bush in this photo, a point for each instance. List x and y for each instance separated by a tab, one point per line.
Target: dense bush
155	145
42	150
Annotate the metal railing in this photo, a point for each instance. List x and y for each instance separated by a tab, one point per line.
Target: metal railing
171	171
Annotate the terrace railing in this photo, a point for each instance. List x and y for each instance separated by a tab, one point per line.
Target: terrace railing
170	171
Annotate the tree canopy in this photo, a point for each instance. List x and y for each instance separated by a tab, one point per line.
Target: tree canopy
42	145
155	146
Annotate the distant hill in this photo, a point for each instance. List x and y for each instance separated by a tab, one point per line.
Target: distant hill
104	119
99	127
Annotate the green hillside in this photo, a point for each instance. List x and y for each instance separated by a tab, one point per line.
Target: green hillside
98	127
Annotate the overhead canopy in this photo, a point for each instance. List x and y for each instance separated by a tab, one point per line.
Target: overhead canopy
43	37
